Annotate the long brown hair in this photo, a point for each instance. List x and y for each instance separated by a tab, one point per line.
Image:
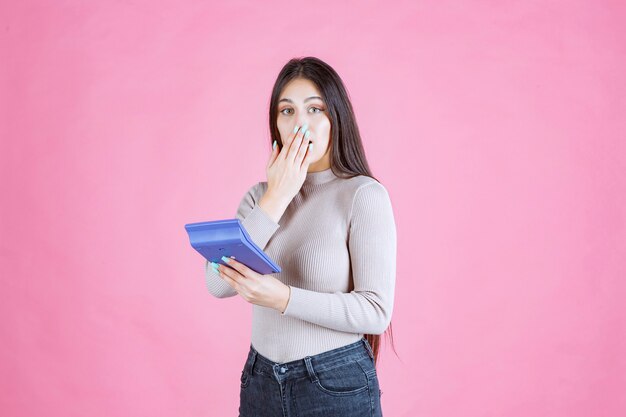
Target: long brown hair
347	158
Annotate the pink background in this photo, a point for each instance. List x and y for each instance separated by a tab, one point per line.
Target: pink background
497	127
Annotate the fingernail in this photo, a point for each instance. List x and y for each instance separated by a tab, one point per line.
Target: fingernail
295	129
274	145
305	127
225	259
307	134
214	266
310	146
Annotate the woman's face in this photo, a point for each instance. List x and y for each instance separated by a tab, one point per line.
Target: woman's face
300	103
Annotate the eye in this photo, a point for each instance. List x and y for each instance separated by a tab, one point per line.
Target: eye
319	110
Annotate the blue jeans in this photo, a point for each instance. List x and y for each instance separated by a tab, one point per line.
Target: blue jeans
339	382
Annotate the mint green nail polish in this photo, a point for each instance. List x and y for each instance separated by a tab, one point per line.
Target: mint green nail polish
307	134
295	129
225	259
305	127
310	146
274	145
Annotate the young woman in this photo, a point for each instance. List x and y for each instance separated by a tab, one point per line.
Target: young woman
329	224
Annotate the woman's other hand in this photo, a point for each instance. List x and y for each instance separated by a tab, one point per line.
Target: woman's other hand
255	288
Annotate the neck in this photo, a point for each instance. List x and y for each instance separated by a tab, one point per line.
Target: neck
319	177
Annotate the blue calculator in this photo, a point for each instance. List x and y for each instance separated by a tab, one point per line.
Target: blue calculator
214	239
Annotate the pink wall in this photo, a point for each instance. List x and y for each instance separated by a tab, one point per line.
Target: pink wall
497	128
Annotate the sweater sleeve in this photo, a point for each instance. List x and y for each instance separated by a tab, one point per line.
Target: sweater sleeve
259	226
372	247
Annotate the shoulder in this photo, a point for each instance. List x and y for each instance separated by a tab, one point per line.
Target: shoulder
362	185
367	192
363	180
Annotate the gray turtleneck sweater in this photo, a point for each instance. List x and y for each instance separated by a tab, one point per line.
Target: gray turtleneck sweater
336	246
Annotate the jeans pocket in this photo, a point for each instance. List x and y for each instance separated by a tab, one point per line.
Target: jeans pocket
346	379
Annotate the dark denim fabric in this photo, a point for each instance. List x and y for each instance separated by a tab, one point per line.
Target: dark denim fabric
340	382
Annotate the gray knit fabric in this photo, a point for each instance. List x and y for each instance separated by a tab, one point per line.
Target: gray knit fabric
336	246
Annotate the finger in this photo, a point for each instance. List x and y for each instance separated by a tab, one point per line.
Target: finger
232	282
273	155
303	148
295	145
229	274
308	158
238	266
291	136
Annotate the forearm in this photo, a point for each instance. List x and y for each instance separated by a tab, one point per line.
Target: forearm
357	312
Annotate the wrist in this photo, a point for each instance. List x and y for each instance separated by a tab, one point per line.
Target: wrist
273	206
275	199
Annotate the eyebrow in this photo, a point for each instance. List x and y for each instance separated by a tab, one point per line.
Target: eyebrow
305	100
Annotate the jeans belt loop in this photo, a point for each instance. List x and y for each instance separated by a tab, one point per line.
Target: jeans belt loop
367	346
309	368
252	361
